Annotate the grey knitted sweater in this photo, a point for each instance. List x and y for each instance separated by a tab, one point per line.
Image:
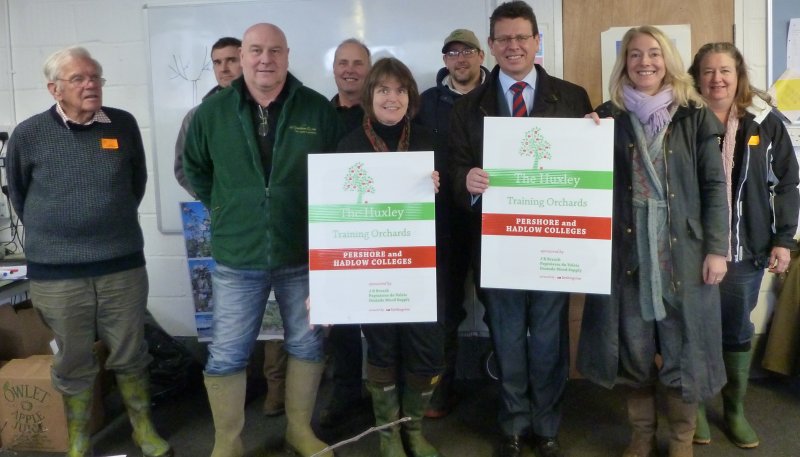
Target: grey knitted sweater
77	191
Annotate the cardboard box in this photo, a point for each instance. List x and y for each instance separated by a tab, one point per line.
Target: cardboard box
31	411
2	362
32	416
22	333
25	338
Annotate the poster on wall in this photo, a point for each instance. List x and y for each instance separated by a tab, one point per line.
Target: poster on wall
372	237
546	222
197	238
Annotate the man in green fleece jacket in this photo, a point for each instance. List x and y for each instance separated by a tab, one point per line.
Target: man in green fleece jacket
246	157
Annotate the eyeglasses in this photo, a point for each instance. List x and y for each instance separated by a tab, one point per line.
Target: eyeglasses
506	40
263	121
464	52
80	80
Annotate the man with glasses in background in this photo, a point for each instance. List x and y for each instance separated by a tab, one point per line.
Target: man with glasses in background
76	176
528	327
463	71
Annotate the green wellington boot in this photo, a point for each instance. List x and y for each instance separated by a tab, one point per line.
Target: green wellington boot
78	409
135	391
702	433
302	382
416	395
737	367
226	398
386	406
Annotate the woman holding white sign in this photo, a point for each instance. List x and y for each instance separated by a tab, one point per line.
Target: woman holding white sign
669	246
390	100
761	170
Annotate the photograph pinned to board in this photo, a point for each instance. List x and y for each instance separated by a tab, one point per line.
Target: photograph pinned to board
197	237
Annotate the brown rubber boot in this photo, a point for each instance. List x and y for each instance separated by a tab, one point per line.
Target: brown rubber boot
682	422
644	420
275	358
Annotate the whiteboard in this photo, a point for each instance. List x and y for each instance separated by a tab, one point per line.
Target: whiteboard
180	39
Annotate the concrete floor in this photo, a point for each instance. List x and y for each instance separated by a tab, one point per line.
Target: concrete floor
594	424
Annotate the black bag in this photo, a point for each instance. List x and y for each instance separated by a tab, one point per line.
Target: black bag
173	368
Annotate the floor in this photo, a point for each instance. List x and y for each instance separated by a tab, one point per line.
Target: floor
593	425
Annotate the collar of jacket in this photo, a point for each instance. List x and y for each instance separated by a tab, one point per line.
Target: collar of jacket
608	109
759	108
213	91
239	87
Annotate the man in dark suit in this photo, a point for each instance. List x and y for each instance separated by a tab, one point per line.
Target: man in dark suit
528	327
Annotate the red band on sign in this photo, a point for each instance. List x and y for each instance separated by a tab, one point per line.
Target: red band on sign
594	228
372	258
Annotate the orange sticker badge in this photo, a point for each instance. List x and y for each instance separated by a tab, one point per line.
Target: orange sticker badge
109	143
754	140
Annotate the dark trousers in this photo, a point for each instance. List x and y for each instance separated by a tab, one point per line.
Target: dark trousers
531	342
412	348
453	262
344	341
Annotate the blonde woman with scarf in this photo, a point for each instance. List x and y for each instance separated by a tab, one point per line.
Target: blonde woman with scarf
762	174
669	247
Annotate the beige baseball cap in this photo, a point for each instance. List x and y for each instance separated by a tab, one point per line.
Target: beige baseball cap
462	36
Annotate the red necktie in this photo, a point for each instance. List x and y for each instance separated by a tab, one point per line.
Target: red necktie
518	106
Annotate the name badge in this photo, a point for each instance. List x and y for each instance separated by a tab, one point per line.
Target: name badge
754	140
109	143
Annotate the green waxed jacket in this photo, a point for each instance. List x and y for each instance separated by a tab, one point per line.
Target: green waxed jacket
255	224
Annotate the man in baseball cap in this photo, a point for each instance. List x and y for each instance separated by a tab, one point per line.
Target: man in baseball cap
463	72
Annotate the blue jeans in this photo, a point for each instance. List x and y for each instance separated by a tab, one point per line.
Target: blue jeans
738	296
240	297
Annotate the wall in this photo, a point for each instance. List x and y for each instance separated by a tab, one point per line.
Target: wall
114	31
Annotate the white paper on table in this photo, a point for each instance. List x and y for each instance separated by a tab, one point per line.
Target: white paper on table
13	272
372	238
547	212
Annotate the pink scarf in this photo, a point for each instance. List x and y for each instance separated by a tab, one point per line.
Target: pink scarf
651	110
728	147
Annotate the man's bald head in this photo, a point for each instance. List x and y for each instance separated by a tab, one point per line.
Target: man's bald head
265	60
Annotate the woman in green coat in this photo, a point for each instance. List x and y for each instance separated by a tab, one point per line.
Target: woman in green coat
669	246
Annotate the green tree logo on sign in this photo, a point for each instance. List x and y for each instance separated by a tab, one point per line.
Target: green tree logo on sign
534	145
358	180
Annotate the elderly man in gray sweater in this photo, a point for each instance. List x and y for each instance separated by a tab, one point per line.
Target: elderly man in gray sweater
76	177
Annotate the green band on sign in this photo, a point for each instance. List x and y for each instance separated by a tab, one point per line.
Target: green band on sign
572	179
372	212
